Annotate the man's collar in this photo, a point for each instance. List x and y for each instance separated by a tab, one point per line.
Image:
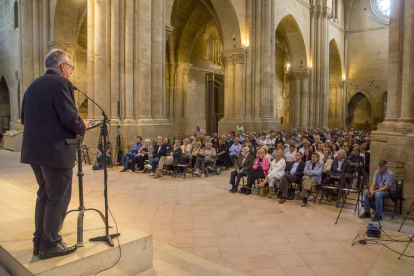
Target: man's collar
52	72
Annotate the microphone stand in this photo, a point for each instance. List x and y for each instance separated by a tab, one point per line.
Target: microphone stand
81	209
108	237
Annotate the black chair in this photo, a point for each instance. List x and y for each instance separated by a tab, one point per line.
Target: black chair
333	187
398	196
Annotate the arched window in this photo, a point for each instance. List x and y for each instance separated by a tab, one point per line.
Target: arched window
16	14
383	6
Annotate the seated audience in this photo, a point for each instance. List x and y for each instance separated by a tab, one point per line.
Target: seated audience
192	141
313	171
279	139
235	150
160	150
194	154
340	165
167	143
133	152
267	155
142	156
335	149
186	149
101	150
290	156
239	128
172	157
199	132
247	143
205	158
244	164
221	153
382	187
276	171
294	174
307	156
178	137
347	151
259	171
327	160
305	146
366	155
356	161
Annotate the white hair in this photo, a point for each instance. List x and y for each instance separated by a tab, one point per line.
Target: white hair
56	57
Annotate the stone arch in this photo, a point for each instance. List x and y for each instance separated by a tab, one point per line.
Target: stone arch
335	109
288	30
66	18
5	109
224	14
360	111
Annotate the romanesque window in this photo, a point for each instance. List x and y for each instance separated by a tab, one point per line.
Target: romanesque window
383	6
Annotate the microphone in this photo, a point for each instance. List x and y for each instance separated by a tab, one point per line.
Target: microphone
103	112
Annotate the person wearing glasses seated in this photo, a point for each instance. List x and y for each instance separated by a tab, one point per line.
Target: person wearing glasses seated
142	156
160	150
382	187
244	164
312	177
356	161
172	157
294	174
205	158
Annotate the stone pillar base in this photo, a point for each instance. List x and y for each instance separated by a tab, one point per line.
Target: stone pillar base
227	125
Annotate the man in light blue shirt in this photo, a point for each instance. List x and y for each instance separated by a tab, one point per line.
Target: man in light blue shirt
312	176
383	186
235	150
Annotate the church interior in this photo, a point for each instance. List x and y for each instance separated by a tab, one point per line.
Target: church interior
225	70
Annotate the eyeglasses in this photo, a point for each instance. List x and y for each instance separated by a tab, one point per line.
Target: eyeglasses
71	66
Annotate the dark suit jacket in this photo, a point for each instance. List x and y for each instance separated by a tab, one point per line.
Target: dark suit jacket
345	168
247	165
299	169
49	116
163	151
176	155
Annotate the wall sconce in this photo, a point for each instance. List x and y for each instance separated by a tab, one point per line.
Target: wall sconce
310	65
343	77
246	42
288	67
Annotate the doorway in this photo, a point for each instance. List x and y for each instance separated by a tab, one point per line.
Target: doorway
214	101
5	116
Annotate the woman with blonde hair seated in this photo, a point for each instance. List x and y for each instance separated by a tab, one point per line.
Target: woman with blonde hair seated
260	169
276	171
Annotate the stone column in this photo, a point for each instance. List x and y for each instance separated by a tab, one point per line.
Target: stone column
178	92
170	95
249	88
266	29
170	86
297	100
157	52
229	97
36	42
304	106
317	65
258	58
129	62
143	53
91	57
100	56
46	23
324	68
406	118
114	59
238	85
185	70
312	76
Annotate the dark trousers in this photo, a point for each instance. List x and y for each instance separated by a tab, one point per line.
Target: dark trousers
202	164
284	184
233	176
138	161
253	175
53	197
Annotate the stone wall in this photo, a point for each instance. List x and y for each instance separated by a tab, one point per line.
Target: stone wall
10	56
368	58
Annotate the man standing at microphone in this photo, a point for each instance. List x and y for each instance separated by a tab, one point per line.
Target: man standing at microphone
49	116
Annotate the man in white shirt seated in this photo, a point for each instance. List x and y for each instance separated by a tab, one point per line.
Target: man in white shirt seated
291	154
262	141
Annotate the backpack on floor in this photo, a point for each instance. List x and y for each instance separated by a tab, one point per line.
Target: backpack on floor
98	166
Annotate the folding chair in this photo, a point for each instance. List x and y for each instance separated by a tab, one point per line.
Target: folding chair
347	188
398	196
332	187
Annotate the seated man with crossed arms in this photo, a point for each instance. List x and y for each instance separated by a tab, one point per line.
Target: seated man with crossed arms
243	165
312	176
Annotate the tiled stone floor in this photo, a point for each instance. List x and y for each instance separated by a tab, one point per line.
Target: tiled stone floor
252	235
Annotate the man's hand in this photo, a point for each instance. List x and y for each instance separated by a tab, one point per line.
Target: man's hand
86	123
309	170
292	173
372	191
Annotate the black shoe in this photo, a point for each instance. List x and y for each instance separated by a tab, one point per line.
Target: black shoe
248	192
36	250
365	215
124	170
376	218
61	249
232	188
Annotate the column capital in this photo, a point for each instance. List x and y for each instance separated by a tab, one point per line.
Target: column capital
182	68
300	75
237	56
326	13
168	31
68	48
